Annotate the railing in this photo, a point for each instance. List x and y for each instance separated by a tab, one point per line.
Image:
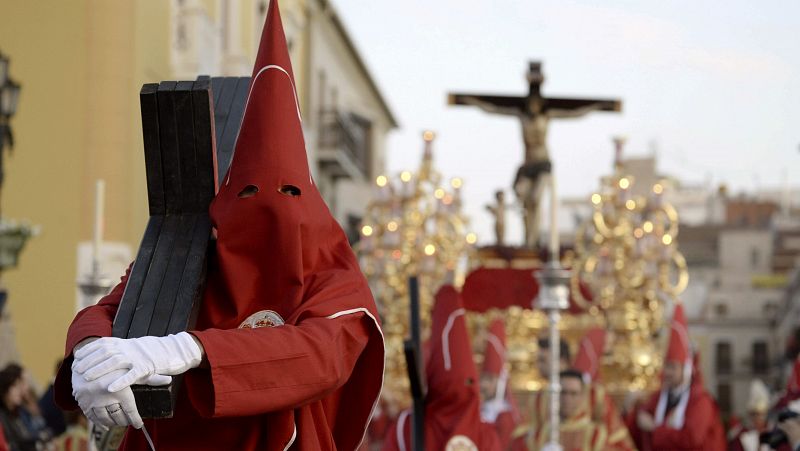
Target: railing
347	132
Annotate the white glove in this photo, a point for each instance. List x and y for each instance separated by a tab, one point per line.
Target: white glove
109	409
142	357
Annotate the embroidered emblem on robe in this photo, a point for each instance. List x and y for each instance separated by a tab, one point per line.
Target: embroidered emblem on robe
460	443
263	318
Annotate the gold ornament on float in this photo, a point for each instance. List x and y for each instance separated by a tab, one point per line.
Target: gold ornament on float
413	226
627	253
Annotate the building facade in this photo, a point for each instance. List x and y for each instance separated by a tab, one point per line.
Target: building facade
81	65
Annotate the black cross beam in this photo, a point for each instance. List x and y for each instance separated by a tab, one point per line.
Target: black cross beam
524	105
189	129
412	348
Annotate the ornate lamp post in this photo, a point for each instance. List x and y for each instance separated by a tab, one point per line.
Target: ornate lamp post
9	96
552	299
13	235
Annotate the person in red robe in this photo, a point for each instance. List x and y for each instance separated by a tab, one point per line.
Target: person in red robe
287	350
792	391
452	405
499	406
746	436
682	415
601	407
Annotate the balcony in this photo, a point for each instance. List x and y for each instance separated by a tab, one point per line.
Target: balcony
344	145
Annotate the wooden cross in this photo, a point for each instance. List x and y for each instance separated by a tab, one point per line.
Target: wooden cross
534	112
189	130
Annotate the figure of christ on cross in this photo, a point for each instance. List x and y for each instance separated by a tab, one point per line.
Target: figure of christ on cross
534	112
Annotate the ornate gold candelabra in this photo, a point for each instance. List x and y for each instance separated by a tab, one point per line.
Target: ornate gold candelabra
413	226
627	253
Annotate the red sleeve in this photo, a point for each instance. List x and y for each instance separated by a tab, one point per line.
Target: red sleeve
93	321
3	442
390	438
641	439
253	371
699	420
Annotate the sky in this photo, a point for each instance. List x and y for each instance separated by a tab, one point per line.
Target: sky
712	88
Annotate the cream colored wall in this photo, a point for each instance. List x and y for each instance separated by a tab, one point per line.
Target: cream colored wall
81	65
46	42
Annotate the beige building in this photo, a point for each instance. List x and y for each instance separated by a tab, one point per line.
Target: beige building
734	297
81	64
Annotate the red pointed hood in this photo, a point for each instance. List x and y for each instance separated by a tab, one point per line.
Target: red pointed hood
793	384
451	371
590	351
494	356
697	374
278	247
679	349
453	401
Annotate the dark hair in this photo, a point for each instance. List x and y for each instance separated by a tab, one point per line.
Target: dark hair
10	375
563	347
571	373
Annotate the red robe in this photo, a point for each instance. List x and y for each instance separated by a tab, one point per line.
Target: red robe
578	433
3	442
452	405
494	363
702	429
311	383
603	410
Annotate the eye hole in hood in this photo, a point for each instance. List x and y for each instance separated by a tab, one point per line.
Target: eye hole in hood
289	190
248	191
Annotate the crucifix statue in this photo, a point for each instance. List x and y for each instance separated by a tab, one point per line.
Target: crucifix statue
534	112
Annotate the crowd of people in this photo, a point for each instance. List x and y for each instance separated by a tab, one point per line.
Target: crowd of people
31	422
681	415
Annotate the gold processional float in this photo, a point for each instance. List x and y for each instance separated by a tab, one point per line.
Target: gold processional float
625	254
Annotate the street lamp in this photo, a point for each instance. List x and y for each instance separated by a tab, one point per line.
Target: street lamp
9	96
13	234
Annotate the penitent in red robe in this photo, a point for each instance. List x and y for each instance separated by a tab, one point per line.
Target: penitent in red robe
310	383
507	417
452	405
702	428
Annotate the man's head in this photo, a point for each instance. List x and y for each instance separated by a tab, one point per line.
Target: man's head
488	386
673	374
758	419
758	404
12	386
543	357
500	195
573	393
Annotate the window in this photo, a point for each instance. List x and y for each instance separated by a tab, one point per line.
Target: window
755	256
723	358
353	229
760	357
724	397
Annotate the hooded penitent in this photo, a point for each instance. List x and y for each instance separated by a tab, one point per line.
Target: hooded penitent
500	410
288	323
590	351
452	407
679	351
692	420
